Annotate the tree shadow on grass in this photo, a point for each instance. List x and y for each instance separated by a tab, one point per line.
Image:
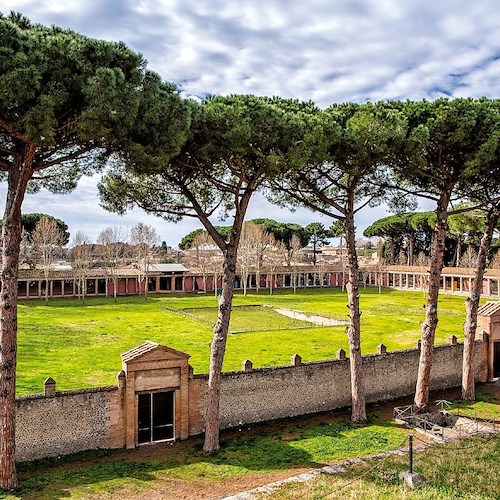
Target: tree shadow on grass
233	460
286	446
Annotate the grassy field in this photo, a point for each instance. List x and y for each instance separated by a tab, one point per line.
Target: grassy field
263	453
281	448
80	345
468	469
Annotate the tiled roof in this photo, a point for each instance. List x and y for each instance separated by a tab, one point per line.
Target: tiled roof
167	268
71	273
447	271
149	346
139	350
489	309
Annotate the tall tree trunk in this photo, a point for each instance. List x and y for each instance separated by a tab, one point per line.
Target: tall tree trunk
46	291
472	305
393	251
354	329
215	283
411	244
342	264
459	250
217	350
431	316
11	235
244	279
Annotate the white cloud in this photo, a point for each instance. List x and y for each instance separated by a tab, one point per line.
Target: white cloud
326	51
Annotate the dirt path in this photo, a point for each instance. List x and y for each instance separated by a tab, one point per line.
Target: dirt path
311	318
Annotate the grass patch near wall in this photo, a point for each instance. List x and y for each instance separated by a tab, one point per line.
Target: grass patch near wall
262	453
466	469
281	446
80	345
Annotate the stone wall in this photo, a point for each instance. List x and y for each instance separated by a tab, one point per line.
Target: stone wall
68	422
73	421
270	393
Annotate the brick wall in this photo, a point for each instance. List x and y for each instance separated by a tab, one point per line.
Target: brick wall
66	423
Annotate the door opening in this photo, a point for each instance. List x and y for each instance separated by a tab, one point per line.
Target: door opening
496	359
155	417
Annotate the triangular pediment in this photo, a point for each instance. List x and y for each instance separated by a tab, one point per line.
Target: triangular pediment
152	350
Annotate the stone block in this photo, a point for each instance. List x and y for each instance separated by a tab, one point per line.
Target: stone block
49	387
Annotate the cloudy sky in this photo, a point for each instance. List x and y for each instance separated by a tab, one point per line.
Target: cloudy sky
326	51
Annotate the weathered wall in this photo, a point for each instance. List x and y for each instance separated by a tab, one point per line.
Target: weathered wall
269	393
68	422
74	421
197	393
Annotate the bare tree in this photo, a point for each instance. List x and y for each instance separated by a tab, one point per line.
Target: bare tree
47	240
144	240
254	242
199	256
468	258
81	260
246	255
272	259
322	272
112	248
216	260
421	260
26	254
292	255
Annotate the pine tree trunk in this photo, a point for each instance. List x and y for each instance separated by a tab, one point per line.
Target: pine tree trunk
354	329
431	316
11	236
459	250
471	306
411	244
217	350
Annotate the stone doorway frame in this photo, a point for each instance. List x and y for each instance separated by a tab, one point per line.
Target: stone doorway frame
151	367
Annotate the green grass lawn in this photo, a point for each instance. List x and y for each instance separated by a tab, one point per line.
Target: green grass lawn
467	469
464	469
80	345
284	446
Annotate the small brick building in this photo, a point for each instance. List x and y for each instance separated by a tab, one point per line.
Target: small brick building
156	388
488	321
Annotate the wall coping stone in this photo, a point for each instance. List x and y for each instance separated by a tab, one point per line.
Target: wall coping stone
235	373
72	392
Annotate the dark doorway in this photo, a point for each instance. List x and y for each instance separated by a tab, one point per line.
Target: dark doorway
496	359
156	417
